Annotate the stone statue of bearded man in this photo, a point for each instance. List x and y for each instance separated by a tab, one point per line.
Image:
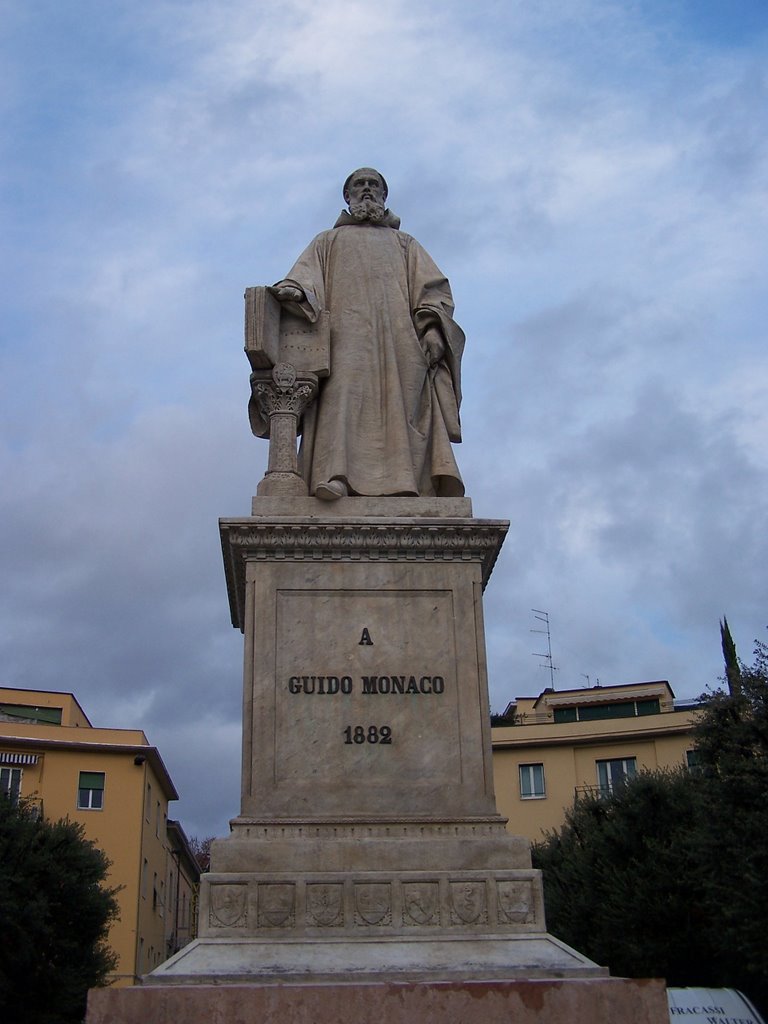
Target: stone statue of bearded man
384	419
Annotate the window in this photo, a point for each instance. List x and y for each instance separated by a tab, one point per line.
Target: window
693	760
148	808
90	791
611	775
648	707
532	781
600	712
28	714
564	715
10	784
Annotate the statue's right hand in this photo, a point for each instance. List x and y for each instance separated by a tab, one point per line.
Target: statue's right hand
287	293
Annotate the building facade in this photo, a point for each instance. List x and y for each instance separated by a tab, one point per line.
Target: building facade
182	888
554	747
114	783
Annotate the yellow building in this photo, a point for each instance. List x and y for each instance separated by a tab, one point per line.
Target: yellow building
116	785
568	742
182	887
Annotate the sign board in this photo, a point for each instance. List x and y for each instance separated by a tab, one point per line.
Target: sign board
710	1006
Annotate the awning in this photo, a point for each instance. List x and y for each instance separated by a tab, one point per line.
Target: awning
6	757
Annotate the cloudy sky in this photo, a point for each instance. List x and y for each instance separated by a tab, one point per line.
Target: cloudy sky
591	175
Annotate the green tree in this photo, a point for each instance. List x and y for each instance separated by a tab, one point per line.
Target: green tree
732	741
669	875
622	879
732	667
55	912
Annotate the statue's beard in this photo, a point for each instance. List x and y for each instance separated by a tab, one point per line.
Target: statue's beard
368	209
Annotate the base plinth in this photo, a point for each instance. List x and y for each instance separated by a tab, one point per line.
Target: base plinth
413	959
597	1001
369	875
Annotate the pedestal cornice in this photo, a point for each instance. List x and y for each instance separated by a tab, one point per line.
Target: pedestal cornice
300	538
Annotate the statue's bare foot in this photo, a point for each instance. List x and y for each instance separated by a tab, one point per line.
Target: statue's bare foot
332	491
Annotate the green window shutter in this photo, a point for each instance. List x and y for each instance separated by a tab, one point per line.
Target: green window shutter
27	713
599	712
91	780
562	715
648	707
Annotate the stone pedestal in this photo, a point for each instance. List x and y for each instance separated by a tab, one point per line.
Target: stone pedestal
368	845
368	874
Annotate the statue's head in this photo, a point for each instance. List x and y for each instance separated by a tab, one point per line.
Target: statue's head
365	177
365	192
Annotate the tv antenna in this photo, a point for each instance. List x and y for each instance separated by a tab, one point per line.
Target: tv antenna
544	617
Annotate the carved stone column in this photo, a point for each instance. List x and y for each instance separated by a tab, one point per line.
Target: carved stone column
282	395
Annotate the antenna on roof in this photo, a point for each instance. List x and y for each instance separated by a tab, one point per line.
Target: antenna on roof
584	674
544	617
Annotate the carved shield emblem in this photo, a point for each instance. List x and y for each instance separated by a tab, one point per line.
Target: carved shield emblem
276	904
373	903
421	903
515	902
325	905
228	906
468	902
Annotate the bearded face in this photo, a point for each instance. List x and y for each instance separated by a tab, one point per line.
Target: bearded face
368	209
366	194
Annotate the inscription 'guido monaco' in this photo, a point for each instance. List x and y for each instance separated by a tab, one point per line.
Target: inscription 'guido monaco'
330	685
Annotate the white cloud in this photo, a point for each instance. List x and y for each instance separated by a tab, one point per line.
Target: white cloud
592	178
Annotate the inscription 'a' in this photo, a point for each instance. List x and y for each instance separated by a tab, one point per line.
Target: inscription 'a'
365	639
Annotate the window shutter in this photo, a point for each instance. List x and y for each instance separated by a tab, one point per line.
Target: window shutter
91	780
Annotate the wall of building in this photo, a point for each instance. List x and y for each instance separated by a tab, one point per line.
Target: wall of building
153	899
71	712
569	753
182	889
129	825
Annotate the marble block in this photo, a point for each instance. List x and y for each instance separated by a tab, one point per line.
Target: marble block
531	1001
368	844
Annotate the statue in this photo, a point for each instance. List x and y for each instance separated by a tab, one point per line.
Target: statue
384	417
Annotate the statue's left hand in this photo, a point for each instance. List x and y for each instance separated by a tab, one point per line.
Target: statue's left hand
434	345
288	293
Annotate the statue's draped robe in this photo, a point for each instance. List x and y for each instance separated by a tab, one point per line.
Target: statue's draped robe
383	421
